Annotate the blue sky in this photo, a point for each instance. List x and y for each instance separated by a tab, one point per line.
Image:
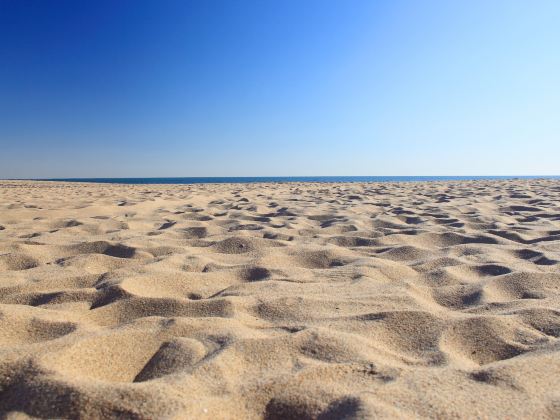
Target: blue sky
265	88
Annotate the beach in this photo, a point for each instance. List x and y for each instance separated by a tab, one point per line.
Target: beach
280	300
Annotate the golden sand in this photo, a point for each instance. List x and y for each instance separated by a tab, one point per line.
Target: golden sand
392	300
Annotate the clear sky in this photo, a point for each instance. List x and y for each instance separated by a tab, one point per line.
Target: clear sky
279	87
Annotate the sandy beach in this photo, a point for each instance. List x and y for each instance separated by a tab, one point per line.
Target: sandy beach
369	300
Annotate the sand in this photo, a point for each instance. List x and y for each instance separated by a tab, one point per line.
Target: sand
373	300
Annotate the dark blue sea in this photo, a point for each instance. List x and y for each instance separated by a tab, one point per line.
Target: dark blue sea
229	180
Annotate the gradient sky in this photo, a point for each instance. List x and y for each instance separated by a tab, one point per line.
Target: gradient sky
302	87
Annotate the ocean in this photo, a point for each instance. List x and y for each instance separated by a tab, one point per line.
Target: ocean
230	180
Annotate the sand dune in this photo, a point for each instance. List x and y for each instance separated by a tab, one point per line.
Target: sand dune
391	300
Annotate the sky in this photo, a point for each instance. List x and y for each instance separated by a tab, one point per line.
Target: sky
279	88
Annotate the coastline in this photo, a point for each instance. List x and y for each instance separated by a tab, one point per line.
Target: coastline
293	179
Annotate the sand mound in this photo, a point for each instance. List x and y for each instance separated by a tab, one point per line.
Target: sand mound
17	261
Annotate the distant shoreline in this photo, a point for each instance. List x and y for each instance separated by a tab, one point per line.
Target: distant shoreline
281	179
